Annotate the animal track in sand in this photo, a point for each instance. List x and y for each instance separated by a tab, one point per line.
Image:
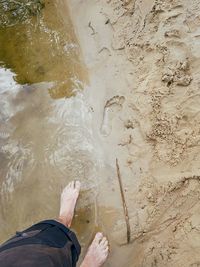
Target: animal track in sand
112	106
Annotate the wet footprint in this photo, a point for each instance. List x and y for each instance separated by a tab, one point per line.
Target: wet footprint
112	106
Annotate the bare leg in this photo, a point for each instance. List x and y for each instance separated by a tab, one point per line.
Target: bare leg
97	252
68	201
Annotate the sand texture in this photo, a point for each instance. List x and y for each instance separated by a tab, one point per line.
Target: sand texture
143	58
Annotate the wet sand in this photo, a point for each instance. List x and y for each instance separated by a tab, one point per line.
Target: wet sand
143	58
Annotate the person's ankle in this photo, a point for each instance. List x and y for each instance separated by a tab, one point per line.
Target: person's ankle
64	221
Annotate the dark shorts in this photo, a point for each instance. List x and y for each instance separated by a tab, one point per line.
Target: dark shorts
46	244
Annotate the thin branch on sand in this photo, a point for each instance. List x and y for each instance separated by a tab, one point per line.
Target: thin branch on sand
124	203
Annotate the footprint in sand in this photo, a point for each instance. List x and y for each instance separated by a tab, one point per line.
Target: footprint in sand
112	106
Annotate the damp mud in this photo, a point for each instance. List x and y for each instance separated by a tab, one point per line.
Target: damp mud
88	84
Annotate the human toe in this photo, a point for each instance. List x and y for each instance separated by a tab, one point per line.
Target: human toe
98	237
77	185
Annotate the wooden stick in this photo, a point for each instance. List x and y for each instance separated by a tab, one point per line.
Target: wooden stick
124	203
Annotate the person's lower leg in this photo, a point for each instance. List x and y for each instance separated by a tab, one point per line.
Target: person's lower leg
68	201
98	250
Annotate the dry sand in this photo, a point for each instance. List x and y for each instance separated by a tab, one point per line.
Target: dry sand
142	58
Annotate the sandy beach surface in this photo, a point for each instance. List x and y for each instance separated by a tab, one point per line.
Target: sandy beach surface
142	59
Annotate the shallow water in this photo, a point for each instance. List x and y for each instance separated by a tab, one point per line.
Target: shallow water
44	142
46	136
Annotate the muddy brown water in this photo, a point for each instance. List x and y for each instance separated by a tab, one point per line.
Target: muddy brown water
46	137
43	142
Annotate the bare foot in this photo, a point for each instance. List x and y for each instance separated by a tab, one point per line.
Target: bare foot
97	252
68	201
